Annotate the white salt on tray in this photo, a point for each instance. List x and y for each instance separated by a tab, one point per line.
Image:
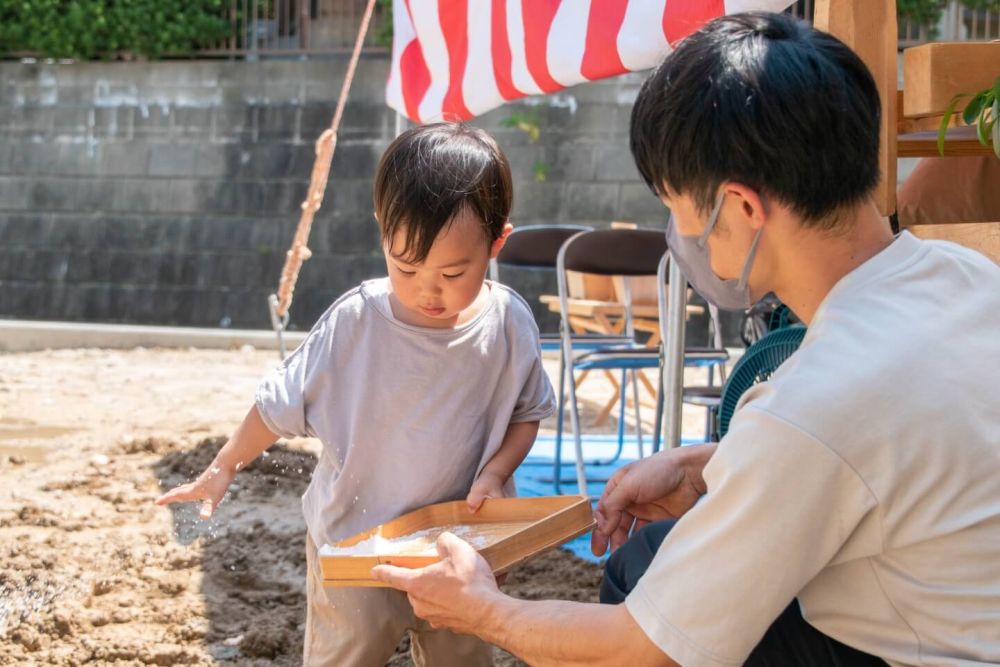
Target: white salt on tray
420	543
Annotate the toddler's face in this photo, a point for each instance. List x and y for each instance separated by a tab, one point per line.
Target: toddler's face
436	292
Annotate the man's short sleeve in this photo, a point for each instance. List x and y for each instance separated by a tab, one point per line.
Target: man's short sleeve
282	397
780	507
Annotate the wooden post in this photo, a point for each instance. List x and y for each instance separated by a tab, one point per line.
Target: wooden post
305	21
869	28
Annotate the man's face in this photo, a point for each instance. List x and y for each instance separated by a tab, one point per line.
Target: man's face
435	292
730	239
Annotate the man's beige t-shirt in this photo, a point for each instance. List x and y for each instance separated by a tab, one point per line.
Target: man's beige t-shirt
407	415
862	479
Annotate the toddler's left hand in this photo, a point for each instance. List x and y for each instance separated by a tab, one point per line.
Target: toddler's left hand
488	485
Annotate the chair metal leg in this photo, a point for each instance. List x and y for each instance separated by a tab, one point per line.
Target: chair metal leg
621	424
673	342
561	413
622	404
581	473
708	408
574	418
658	419
638	414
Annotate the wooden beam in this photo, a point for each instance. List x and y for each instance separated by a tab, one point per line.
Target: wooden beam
934	73
869	28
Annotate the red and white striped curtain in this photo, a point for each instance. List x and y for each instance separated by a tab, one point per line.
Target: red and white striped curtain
455	59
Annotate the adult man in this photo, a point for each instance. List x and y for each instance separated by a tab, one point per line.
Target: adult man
851	513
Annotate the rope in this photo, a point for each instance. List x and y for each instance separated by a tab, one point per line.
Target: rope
325	147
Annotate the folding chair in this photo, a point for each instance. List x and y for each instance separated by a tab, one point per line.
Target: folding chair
707	396
536	247
626	253
606	252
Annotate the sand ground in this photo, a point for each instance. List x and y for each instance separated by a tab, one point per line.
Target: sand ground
92	571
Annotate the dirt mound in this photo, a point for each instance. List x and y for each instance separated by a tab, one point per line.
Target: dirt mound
92	571
555	575
280	465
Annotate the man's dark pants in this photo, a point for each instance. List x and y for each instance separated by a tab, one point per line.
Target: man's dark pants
789	642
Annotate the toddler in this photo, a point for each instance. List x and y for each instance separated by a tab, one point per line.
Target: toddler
423	386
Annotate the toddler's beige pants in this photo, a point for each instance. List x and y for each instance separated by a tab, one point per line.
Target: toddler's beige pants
361	627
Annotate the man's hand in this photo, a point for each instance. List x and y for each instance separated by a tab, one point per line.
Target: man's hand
458	593
662	486
454	593
488	485
209	488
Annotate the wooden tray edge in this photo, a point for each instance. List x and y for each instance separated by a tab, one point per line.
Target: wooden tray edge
502	569
422	561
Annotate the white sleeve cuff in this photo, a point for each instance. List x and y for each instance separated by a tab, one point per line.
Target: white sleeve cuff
669	638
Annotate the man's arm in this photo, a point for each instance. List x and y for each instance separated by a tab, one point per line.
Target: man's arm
460	593
554	632
516	444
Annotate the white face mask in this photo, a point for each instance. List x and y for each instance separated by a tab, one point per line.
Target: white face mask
692	256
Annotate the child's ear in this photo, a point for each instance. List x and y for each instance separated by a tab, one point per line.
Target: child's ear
497	245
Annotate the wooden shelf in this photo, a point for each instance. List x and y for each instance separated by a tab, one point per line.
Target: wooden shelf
959	142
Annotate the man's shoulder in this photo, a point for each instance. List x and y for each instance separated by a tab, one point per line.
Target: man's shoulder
920	269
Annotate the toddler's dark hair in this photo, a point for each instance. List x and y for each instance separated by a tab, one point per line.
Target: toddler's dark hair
432	172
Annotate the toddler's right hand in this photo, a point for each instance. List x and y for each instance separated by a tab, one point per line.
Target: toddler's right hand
209	488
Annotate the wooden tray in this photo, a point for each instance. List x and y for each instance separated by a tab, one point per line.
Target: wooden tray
505	531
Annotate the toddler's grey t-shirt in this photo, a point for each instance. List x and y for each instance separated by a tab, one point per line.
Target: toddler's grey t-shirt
407	415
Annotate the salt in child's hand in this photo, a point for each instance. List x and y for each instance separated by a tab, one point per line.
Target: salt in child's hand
210	487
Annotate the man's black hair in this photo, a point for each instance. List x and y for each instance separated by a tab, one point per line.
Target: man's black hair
432	172
765	100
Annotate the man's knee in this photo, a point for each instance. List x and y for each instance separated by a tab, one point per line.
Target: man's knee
630	561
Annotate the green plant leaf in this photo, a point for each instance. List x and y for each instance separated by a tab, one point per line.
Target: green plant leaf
109	29
540	170
511	120
975	106
945	119
983	127
996	126
527	122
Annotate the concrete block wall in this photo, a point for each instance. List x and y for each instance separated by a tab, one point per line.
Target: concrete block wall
167	193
